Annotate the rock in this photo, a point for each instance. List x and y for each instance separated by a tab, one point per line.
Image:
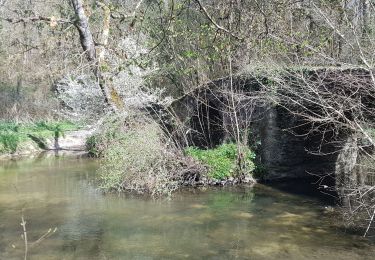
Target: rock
247	179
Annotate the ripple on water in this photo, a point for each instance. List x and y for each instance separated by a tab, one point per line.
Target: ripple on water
212	223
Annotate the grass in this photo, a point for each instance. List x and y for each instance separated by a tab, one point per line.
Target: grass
222	160
12	135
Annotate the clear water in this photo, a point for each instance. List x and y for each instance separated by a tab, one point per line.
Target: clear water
228	223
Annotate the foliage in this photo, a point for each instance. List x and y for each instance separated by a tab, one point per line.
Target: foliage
8	142
57	128
111	131
223	160
9	137
91	146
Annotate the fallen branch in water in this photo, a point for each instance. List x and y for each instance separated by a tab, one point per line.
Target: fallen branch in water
25	239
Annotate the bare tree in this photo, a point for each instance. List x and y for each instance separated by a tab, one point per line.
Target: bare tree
93	49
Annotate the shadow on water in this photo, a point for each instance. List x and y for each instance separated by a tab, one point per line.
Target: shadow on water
309	187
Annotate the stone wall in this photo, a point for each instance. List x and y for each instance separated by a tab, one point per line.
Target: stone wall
286	152
284	148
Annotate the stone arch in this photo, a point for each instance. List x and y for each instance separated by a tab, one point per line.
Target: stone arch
207	124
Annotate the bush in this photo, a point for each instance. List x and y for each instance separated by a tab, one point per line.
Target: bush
223	160
8	142
138	156
92	146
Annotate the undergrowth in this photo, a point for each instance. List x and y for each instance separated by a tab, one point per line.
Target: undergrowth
137	155
223	161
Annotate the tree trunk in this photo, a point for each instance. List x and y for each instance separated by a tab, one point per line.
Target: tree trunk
88	45
82	24
105	83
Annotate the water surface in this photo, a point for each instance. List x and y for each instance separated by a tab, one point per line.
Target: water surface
228	223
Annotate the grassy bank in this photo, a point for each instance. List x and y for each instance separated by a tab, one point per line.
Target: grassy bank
13	135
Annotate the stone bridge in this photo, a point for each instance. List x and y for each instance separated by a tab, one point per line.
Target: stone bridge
284	144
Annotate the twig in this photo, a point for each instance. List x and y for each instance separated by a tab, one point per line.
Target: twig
369	225
23	224
44	236
221	28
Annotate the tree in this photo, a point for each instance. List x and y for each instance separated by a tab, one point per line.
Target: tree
94	49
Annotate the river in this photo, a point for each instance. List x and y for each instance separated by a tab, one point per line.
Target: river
258	222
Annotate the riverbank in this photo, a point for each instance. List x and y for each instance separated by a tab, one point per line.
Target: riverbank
28	140
212	167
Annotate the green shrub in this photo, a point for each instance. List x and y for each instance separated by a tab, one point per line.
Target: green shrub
138	156
140	162
9	126
112	131
9	142
92	146
223	160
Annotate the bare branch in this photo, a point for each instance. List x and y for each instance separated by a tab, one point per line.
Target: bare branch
38	18
219	27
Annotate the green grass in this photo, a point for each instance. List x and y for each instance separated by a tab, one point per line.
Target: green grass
222	160
12	135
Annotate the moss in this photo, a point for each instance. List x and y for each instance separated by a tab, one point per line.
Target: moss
116	99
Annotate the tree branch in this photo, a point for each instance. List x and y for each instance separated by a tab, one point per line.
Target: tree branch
38	18
133	15
219	27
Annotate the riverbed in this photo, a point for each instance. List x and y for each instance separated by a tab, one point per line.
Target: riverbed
259	222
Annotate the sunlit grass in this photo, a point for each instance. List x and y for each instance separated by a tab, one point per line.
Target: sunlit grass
222	160
13	134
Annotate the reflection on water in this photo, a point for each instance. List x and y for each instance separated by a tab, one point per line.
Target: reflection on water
243	223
